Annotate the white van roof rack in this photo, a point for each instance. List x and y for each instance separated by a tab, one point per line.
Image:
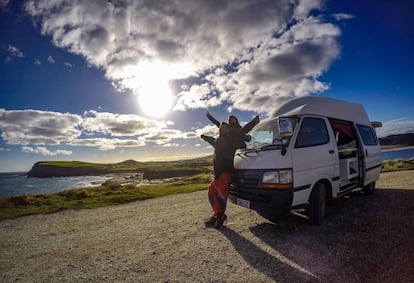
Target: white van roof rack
324	106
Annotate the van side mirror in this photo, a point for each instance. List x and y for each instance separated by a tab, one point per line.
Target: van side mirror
285	127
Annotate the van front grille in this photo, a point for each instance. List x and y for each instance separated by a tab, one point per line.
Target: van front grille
247	178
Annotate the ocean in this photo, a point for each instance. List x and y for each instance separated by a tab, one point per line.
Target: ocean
404	153
18	183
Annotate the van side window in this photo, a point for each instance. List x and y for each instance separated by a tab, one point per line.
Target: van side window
367	135
312	132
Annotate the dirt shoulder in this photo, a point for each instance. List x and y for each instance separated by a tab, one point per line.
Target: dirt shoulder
364	239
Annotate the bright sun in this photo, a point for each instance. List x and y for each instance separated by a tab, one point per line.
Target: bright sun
155	97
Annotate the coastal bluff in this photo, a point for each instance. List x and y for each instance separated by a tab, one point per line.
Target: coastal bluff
151	170
44	170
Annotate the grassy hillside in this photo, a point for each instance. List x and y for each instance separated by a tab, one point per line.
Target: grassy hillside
151	170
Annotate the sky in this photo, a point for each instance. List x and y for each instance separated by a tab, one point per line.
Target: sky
106	81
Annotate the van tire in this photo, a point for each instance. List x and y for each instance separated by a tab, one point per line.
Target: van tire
369	189
317	204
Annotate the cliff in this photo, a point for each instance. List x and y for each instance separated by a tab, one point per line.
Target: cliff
151	170
402	139
43	170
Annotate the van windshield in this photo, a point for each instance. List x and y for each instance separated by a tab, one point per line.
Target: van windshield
266	134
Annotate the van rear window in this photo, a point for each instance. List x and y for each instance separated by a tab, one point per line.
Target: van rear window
367	134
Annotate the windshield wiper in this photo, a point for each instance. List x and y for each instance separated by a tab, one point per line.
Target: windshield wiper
245	151
269	146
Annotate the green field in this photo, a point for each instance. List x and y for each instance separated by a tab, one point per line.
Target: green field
111	193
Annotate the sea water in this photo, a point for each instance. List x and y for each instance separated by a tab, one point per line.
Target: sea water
18	184
404	153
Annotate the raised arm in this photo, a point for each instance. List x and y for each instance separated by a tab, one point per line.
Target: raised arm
209	139
212	119
251	124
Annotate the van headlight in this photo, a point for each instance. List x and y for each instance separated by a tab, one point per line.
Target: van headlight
278	179
285	176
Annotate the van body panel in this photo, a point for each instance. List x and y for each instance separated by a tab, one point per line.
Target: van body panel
310	165
266	159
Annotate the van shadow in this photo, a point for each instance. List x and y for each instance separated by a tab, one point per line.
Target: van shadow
272	266
364	238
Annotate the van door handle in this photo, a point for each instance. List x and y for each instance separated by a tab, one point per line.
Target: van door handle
332	151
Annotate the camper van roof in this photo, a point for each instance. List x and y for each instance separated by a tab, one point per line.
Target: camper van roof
323	106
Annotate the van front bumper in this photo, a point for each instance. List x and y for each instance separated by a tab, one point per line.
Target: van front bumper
272	201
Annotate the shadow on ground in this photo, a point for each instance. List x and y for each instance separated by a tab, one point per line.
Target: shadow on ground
364	239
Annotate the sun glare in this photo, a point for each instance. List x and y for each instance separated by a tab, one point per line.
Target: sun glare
155	96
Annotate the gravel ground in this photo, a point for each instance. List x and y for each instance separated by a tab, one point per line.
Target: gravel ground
364	239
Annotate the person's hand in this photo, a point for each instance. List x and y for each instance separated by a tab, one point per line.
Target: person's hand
248	138
207	114
257	119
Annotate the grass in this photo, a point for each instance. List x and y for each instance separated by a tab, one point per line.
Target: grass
397	165
108	193
134	165
111	193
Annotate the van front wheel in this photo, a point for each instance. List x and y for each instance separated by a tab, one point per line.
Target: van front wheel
369	189
317	204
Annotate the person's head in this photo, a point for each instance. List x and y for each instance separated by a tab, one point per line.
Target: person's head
224	129
233	121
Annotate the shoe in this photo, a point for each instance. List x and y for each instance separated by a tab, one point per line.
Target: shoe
211	222
220	220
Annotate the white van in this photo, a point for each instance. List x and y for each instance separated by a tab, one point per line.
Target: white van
311	150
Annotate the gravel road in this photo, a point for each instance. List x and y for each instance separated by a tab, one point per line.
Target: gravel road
364	239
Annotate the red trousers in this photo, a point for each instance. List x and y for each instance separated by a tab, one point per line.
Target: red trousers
218	191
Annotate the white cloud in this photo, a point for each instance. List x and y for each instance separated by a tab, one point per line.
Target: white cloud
247	54
67	64
3	4
37	62
342	16
171	145
44	151
34	127
24	127
51	60
395	127
15	52
163	136
4	149
108	144
119	124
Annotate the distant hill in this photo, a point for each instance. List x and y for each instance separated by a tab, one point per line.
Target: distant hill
151	170
398	140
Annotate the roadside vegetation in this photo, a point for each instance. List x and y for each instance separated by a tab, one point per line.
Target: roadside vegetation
110	193
397	165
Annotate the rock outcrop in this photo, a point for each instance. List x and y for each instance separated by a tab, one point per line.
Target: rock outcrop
42	170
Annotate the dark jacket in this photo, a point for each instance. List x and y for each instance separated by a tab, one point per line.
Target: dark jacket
223	153
238	133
